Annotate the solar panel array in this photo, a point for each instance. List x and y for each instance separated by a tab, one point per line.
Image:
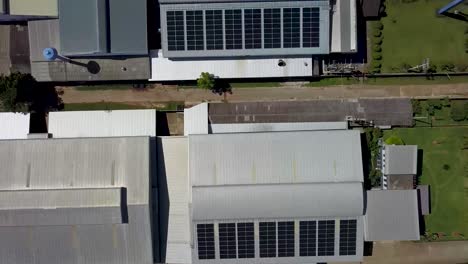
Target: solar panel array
277	239
348	237
236	29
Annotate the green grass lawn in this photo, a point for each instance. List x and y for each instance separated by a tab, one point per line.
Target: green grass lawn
413	32
442	146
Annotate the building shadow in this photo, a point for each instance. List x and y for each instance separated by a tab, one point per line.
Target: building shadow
419	169
163	203
162	124
368	248
366	159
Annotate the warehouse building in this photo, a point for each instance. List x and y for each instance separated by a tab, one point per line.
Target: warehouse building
251	39
76	201
25	10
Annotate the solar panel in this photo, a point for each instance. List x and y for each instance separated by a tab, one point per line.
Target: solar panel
310	27
347	237
272	28
175	30
291	28
245	240
233	27
206	244
214	29
253	28
227	240
194	21
267	239
326	238
307	238
286	239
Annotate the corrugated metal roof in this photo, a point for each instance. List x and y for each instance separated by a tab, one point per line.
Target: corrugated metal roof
128	27
276	127
62	216
392	215
43	34
91	235
34	8
217	1
174	199
163	69
77	163
116	123
281	157
277	201
344	27
14	125
60	198
400	159
196	119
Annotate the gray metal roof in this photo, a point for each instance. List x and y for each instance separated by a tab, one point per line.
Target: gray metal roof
392	215
14	125
64	226
84	29
344	27
174	199
424	192
196	119
277	201
280	157
400	159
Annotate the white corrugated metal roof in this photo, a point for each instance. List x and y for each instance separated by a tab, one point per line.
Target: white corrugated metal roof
77	235
276	127
196	119
117	123
279	157
277	201
60	198
400	160
163	69
77	163
175	195
392	215
14	125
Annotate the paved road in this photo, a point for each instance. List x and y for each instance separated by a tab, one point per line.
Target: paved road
171	94
419	253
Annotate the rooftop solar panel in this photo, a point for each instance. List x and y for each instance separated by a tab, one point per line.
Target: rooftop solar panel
347	237
286	239
267	239
307	238
326	238
206	244
245	240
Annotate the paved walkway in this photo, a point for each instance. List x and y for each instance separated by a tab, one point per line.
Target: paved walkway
172	94
418	253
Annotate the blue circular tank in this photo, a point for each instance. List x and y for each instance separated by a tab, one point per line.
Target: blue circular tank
50	54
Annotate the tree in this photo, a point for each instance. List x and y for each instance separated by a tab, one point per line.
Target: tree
21	93
417	109
432	68
435	103
206	81
446	102
458	111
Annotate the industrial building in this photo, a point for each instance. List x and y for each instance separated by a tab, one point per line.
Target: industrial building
106	188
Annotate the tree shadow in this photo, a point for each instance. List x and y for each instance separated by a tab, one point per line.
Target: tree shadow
366	157
419	169
222	87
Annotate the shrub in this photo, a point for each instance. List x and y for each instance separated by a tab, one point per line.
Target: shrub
377	48
394	140
377	40
405	66
446	167
378	25
449	67
377	33
446	102
436	103
432	68
206	81
458	111
417	108
377	56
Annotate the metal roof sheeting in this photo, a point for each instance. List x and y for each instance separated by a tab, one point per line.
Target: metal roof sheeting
60	198
175	196
281	157
400	159
164	69
264	201
34	8
344	27
276	127
116	123
392	215
14	125
196	119
83	235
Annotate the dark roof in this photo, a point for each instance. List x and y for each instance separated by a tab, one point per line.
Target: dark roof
384	112
90	27
371	8
424	199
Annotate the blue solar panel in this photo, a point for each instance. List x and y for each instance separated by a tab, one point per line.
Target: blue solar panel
194	21
214	29
175	30
347	237
253	28
233	26
291	28
206	244
245	240
272	28
267	239
310	27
